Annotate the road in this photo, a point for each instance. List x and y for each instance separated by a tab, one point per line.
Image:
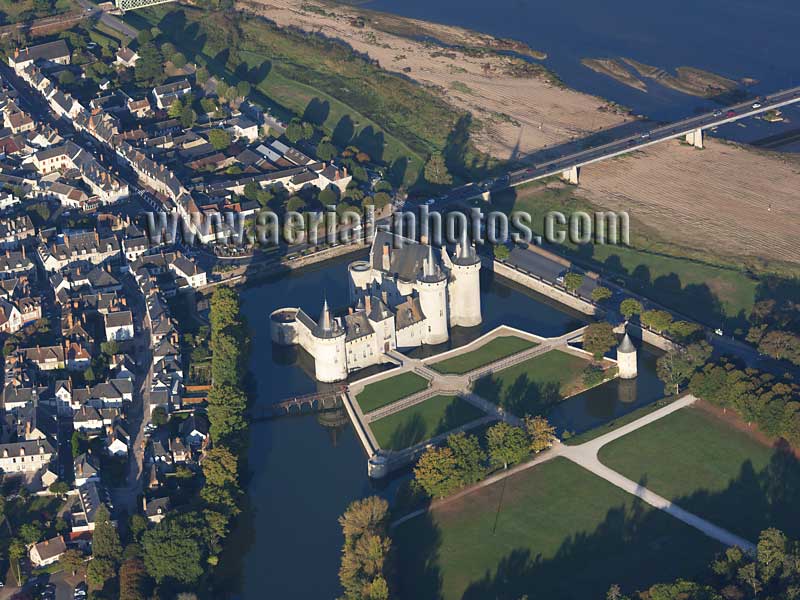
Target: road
109	20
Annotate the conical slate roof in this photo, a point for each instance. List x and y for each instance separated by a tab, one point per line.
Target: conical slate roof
626	347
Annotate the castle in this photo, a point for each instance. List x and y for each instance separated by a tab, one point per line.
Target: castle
407	294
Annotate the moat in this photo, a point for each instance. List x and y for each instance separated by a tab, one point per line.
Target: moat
304	471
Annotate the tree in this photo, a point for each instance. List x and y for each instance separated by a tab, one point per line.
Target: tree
59	488
572	281
32	532
656	319
219	139
294	132
469	457
630	307
175	109
66	78
201	75
72	560
381	199
677	366
366	547
173	550
601	294
188	117
684	330
99	571
132	578
772	550
138	525
599	338
328	196
507	444
541	433
220	467
326	151
144	37
178	59
105	538
159	416
295	204
436	171
243	88
150	67
16	551
436	472
501	252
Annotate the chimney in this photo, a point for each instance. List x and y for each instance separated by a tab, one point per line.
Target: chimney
386	263
385	297
368	304
23	251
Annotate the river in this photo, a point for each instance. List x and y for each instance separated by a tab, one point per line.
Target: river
736	38
304	471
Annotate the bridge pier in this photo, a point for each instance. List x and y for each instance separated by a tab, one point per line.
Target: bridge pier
695	138
571	175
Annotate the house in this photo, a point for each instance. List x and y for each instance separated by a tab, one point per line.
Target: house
92	496
118	440
47	358
10	318
126	57
47	552
194	430
156	509
87	468
119	325
48	55
139	108
88	420
166	94
25	457
69	248
16	264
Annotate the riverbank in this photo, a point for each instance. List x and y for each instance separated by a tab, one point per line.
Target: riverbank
517	106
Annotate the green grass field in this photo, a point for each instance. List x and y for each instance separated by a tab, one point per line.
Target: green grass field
705	287
561	533
713	470
386	391
488	353
535	385
423	421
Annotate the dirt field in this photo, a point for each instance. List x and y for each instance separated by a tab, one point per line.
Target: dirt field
726	199
518	113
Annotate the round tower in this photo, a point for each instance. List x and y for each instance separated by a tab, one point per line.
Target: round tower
432	288
626	359
465	286
360	273
330	355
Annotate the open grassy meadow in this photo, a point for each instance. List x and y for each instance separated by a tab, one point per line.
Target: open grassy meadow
535	385
709	468
386	391
423	421
554	531
488	353
705	287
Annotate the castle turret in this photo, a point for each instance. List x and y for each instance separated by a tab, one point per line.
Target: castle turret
432	289
626	359
465	286
330	358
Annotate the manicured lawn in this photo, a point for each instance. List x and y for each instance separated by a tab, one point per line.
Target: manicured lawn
488	353
561	533
535	385
423	421
713	470
390	390
630	417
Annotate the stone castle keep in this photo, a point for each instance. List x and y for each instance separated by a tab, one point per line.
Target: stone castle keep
407	294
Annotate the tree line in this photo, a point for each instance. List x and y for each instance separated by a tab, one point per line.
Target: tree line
772	574
178	554
463	460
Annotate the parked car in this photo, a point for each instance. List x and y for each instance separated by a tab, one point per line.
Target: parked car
756	105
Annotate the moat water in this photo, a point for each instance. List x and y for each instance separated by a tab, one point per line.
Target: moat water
304	471
744	39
